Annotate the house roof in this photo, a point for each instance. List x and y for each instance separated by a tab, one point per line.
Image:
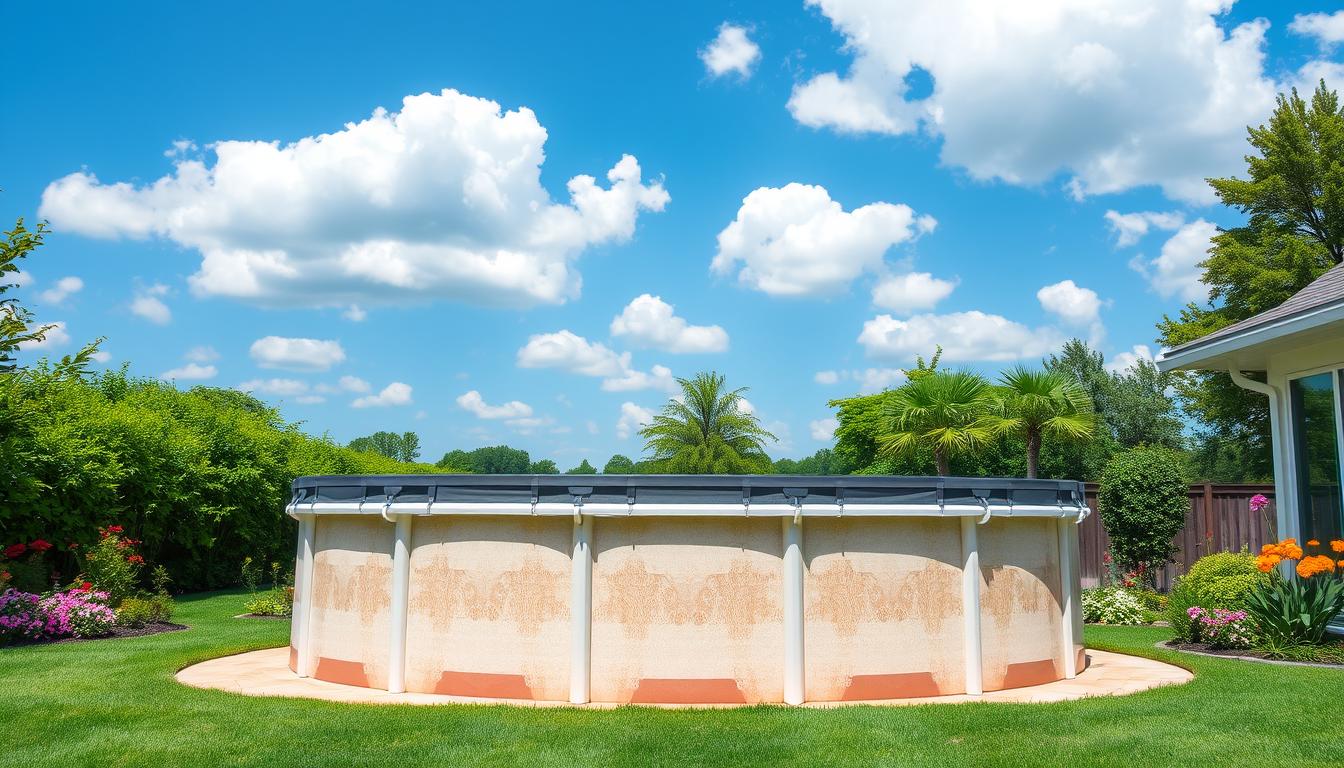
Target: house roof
1311	309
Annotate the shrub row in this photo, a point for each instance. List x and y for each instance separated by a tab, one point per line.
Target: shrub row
198	478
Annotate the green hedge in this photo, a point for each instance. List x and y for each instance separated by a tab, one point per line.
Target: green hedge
201	476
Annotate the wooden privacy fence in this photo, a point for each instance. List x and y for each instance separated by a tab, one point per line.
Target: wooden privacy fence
1220	520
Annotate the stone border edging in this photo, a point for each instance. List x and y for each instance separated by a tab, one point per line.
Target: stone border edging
1233	657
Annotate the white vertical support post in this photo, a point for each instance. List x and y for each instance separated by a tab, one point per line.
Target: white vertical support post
581	611
970	606
401	591
304	600
794	671
1068	532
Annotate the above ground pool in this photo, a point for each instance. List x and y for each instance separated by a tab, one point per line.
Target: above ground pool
686	589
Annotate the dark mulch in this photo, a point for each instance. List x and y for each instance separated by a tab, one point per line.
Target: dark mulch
261	616
1252	653
148	629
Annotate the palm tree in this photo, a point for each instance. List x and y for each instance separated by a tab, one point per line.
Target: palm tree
1040	402
707	431
952	412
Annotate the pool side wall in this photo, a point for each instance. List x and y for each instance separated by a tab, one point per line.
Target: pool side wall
687	609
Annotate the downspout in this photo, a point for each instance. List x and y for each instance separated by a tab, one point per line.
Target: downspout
1285	508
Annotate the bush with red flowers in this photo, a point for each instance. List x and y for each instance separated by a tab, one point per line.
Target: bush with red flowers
24	566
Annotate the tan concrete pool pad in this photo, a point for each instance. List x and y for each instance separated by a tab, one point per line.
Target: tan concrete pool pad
267	673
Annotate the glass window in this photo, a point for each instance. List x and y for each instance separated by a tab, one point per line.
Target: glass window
1317	453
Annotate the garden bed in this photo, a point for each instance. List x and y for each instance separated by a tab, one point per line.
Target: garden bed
261	616
1328	655
141	631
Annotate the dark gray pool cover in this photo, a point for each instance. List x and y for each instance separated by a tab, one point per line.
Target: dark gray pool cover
687	489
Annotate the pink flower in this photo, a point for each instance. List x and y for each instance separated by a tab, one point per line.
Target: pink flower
15	550
1258	502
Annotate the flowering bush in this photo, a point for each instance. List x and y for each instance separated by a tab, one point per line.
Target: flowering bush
73	613
78	613
113	564
22	565
1297	611
1111	605
1221	628
20	616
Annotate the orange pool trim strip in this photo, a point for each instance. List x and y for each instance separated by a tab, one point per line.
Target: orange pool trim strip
485	685
719	690
1028	673
906	685
343	672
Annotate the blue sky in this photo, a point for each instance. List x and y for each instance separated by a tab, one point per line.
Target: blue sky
805	196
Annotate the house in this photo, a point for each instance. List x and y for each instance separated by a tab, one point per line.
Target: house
1299	347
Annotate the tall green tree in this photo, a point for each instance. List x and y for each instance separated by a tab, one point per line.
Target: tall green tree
707	431
403	447
584	468
1293	195
618	465
949	413
1040	403
543	467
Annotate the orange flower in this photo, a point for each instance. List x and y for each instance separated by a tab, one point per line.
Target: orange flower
1337	545
1310	566
1266	563
1313	543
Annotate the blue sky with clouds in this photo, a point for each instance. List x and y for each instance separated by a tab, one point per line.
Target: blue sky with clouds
516	222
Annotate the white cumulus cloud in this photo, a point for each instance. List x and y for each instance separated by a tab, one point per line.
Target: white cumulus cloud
1176	271
826	377
190	372
395	393
148	303
567	351
1130	228
56	336
823	430
796	241
201	354
1112	95
442	199
296	354
632	418
1123	361
276	387
1327	28
648	321
1071	303
474	403
964	337
63	289
910	293
731	51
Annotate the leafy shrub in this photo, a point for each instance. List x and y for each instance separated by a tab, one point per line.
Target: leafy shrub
1180	600
205	473
24	567
1111	605
1224	579
278	600
1221	628
139	611
1143	504
113	565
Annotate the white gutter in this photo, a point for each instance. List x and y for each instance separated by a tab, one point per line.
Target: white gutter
1284	506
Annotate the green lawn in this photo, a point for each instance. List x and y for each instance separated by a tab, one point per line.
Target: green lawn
114	702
